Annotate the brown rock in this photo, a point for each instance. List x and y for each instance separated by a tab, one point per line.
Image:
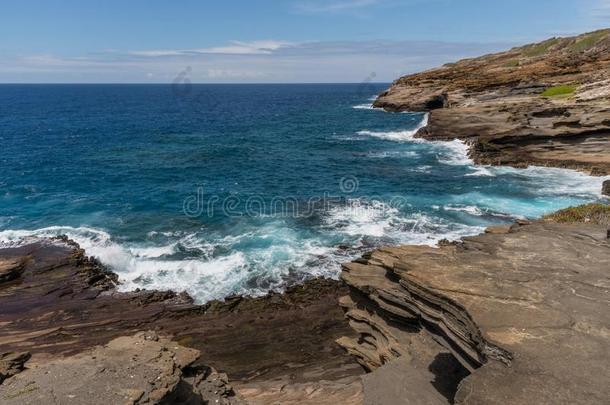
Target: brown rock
11	268
12	363
498	230
66	303
497	103
525	313
139	369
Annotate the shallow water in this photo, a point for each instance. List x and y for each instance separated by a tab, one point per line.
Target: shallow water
223	189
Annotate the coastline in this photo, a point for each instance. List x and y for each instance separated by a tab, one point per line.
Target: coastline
499	104
472	321
57	302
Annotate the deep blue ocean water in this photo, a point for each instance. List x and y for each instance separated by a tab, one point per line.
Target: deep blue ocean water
223	189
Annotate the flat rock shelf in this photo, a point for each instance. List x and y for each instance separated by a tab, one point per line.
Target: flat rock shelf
524	310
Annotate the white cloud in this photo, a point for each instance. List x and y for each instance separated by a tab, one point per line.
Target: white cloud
265	47
247	48
333	5
246	61
157	53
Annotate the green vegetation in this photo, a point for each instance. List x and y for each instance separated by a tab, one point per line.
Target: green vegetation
590	214
512	63
563	90
541	48
588	41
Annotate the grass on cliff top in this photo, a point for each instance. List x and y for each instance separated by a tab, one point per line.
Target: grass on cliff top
588	41
587	214
556	91
540	49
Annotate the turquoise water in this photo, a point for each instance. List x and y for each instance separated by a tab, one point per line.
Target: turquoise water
223	189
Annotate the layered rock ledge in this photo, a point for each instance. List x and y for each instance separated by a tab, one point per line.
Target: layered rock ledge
61	308
545	104
519	315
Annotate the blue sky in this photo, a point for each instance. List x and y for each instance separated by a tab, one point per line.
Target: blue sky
152	41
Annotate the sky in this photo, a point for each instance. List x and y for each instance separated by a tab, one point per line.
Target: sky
260	41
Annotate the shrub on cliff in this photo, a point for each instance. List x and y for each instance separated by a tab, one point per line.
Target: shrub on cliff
589	213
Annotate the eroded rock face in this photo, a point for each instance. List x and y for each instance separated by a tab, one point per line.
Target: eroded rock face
141	369
498	104
524	310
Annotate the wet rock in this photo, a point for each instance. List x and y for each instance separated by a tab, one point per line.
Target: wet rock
606	188
276	347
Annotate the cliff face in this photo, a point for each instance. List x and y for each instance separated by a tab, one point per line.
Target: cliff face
521	310
541	104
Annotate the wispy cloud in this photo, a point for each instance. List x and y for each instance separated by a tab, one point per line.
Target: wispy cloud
265	47
246	61
333	5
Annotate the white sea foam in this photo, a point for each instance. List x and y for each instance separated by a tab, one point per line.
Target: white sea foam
392	154
361	218
154	251
398	136
480	171
378	220
469	209
555	181
455	153
364	107
204	276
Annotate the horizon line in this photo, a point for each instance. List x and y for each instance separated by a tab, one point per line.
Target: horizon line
170	83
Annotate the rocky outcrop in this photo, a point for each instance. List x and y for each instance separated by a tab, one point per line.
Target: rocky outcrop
522	310
11	268
140	369
12	363
606	188
62	303
544	104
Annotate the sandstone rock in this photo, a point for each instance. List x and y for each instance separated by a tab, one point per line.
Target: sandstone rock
498	229
497	103
11	268
12	363
525	313
142	369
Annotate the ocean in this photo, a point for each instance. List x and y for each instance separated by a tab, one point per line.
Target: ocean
243	189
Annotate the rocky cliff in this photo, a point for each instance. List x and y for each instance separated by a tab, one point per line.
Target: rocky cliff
518	315
541	104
